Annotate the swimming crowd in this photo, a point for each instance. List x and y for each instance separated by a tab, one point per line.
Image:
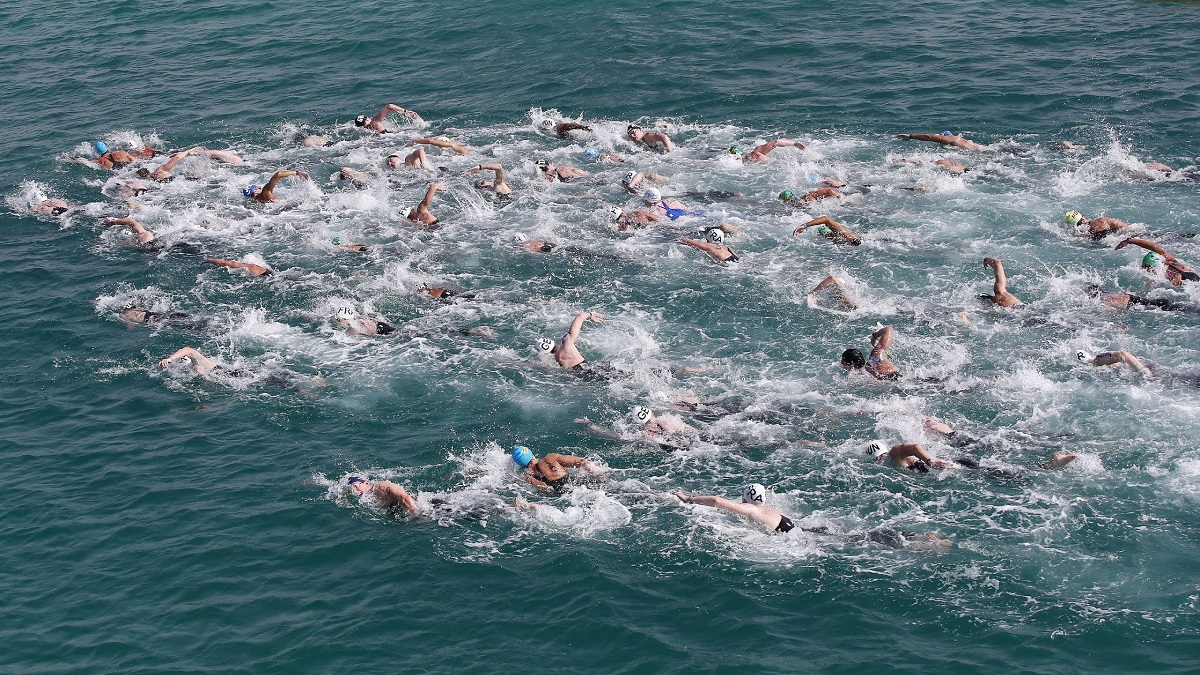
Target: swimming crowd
141	170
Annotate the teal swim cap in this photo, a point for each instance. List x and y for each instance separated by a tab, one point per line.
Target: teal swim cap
101	147
735	150
787	195
337	240
522	456
591	153
824	229
1151	259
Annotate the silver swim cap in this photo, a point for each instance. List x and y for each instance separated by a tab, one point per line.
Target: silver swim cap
754	493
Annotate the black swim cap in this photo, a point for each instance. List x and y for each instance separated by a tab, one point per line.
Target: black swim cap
853	358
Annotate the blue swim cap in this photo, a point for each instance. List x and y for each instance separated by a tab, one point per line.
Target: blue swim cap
355	479
522	456
813	178
591	153
947	133
101	147
249	192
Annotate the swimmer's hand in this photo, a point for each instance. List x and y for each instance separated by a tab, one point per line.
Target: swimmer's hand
682	497
798	230
941	464
1124	243
595	318
164	363
474	170
903	137
302	174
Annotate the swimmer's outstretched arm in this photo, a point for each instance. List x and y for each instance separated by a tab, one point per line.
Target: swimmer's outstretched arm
577	324
572	461
428	200
145	236
1058	460
392	106
200	363
1148	245
598	430
460	149
175	158
819	220
1122	356
718	502
702	245
563	127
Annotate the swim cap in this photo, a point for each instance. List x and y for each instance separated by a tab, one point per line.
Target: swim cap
408	211
522	456
1151	259
518	237
947	133
355	479
547	124
336	240
787	195
754	493
715	236
1074	218
615	212
344	312
631	127
546	344
653	196
640	414
813	177
591	153
824	229
1082	356
542	164
629	176
249	192
877	449
101	147
360	121
735	151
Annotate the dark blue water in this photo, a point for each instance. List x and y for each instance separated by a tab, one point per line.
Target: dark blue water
158	521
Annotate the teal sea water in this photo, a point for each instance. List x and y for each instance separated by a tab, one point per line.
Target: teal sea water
155	521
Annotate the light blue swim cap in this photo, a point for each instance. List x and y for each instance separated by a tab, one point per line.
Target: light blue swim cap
249	192
101	147
522	456
591	153
1151	259
947	133
813	178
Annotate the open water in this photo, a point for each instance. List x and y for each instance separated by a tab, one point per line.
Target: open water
155	521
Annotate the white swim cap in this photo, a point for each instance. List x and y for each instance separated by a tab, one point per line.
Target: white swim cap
518	237
615	212
641	414
652	196
547	124
346	313
545	344
629	176
408	211
877	449
715	236
754	493
1082	356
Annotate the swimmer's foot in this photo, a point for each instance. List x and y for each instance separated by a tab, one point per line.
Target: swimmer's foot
1059	460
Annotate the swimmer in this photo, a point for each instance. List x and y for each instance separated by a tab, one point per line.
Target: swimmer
563	129
1112	359
1175	271
441	142
376	123
143	235
878	364
266	193
713	245
837	290
668	431
132	188
831	230
357	325
565	354
633	179
788	197
420	215
142	316
650	139
499	185
357	248
753	506
759	154
911	456
1164	170
1000	294
1059	459
223	156
1098	228
563	173
536	245
670	207
386	492
1068	145
200	363
551	470
164	173
444	294
119	159
414	160
1122	300
50	207
358	179
944	138
627	219
311	141
253	268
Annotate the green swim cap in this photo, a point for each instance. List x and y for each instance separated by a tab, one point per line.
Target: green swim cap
1074	218
1151	259
824	229
735	150
787	195
337	240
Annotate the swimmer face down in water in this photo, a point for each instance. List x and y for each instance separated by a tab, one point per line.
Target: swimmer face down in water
550	471
650	139
387	493
878	363
1175	271
1000	295
565	354
753	507
266	193
376	123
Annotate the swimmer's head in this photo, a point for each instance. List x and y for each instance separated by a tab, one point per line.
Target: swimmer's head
1151	259
358	485
824	229
715	236
628	178
547	124
787	196
641	415
615	212
635	132
361	121
853	359
754	493
344	313
101	147
591	153
735	151
1082	356
517	237
947	133
877	449
522	456
410	212
542	165
337	240
1074	218
250	192
546	345
355	479
1093	290
394	161
652	196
